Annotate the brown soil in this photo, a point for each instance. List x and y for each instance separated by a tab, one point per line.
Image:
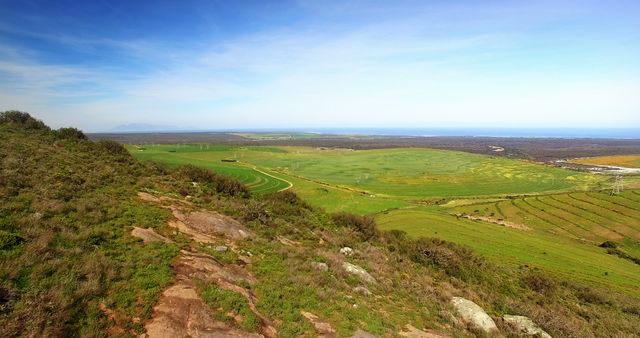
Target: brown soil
497	221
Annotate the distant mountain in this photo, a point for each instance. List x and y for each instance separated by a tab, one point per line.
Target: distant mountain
143	127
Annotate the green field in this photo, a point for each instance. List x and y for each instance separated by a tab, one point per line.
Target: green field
422	190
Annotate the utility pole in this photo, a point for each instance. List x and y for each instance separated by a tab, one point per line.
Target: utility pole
617	185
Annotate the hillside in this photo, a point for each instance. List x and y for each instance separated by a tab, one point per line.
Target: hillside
94	243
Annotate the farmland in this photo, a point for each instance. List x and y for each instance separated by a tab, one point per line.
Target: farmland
457	196
629	161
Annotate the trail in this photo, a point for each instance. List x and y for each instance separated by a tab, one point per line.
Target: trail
265	173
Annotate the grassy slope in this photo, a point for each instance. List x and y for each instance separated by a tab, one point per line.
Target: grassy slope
68	204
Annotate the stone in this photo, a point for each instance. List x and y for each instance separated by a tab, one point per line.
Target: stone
347	251
474	315
362	290
320	266
525	325
359	272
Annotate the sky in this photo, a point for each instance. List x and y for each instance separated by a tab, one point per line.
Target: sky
265	64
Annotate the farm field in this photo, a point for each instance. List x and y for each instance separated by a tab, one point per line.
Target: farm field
557	254
629	161
563	216
399	173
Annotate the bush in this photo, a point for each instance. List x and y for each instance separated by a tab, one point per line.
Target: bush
365	225
539	283
113	147
455	260
220	183
22	119
8	240
608	244
70	134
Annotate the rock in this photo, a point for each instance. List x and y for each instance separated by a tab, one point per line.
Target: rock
323	328
525	325
180	312
362	290
287	241
221	248
320	266
474	315
148	235
358	271
413	332
362	334
204	226
347	251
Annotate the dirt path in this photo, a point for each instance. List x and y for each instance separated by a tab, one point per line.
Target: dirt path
181	312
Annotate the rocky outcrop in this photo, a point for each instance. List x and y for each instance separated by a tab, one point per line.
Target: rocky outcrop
359	272
323	329
413	332
474	315
203	226
362	334
148	235
524	325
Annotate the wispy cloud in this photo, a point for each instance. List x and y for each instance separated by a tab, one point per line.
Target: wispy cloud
426	68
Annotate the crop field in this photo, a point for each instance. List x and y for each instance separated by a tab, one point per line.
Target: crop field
629	161
258	181
403	173
556	217
557	254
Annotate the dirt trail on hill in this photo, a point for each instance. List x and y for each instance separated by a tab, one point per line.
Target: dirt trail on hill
180	311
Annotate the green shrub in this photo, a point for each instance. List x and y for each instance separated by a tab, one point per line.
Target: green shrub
8	240
70	134
22	119
608	244
365	225
221	184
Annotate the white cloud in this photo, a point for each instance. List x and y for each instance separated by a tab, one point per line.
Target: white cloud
386	73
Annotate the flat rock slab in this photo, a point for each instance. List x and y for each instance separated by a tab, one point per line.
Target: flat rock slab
358	271
362	334
323	329
413	332
181	313
525	325
474	315
204	226
148	235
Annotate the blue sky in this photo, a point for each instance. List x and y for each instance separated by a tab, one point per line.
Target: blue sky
306	64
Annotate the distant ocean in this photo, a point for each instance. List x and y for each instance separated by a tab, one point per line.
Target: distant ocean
616	133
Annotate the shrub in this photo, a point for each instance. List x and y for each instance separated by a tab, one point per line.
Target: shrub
8	240
220	183
289	197
365	225
608	244
70	134
539	283
22	119
114	148
455	260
